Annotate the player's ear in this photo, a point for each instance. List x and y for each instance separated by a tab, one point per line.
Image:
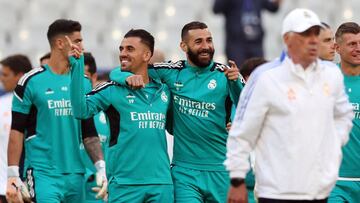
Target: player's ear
337	47
183	46
59	43
147	55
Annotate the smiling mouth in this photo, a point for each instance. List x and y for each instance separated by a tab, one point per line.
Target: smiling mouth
204	54
124	60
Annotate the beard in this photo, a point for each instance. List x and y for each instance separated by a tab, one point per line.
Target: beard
196	59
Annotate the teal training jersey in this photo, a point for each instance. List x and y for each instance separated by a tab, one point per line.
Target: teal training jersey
53	135
351	151
137	151
202	100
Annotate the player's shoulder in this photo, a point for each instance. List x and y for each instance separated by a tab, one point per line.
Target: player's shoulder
178	65
26	79
219	67
102	86
31	75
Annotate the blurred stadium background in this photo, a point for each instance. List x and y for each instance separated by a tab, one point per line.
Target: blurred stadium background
23	24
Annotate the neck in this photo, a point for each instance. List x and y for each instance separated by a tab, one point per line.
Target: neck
58	63
194	65
191	63
144	73
350	69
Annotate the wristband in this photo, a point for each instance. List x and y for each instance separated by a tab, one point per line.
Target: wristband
13	171
100	165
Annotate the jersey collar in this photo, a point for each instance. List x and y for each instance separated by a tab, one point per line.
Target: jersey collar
199	69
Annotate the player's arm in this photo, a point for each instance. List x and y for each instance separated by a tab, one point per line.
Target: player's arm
82	107
120	76
160	71
16	189
85	105
21	105
92	145
127	79
235	82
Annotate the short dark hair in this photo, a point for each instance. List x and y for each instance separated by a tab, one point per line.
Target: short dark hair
62	27
46	56
90	61
250	65
145	37
17	63
348	27
192	26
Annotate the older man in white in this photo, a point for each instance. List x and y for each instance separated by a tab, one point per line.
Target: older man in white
296	116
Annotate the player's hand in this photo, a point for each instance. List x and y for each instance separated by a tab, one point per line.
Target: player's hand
16	191
228	126
237	194
232	73
135	82
101	180
75	51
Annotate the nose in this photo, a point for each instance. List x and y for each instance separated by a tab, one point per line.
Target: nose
332	45
122	53
205	45
313	39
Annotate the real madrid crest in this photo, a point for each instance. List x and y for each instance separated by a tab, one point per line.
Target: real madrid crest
212	84
326	89
291	94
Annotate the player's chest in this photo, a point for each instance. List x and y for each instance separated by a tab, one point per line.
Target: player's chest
131	101
209	86
56	94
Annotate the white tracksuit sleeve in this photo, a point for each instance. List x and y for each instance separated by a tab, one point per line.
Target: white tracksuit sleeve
343	113
246	127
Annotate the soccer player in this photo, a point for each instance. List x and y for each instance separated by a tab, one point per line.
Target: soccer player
103	131
347	188
137	160
296	118
250	65
12	69
42	114
203	92
326	43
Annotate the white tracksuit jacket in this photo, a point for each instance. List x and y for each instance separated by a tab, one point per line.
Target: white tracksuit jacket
296	120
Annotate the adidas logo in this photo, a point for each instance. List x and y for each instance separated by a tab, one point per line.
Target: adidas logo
130	96
49	91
